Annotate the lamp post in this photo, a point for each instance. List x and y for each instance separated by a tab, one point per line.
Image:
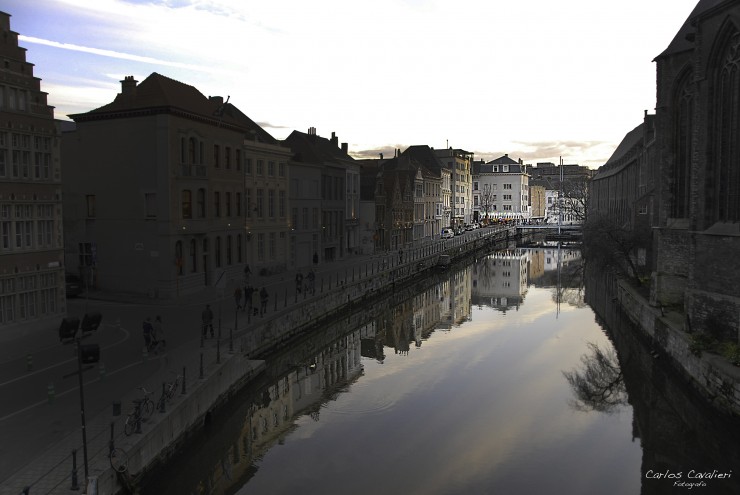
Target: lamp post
86	354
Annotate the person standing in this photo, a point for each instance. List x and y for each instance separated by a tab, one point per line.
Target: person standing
264	296
248	291
207	317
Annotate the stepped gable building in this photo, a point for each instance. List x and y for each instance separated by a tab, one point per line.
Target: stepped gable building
698	215
169	191
32	287
325	195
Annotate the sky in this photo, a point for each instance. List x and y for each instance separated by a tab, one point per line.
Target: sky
534	79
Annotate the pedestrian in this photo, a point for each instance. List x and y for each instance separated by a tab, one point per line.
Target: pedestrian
148	330
264	296
248	290
158	340
298	282
207	317
238	297
312	282
400	255
247	274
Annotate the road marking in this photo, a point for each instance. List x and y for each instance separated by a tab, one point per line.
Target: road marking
61	363
46	401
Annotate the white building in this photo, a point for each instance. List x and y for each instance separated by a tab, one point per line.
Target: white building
501	190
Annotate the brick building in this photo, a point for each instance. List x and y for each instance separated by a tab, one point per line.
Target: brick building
31	244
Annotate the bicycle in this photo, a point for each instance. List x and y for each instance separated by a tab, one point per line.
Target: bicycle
118	459
133	420
146	404
171	388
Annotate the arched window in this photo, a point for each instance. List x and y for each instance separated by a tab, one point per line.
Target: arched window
723	198
187	204
683	117
193	257
178	257
191	150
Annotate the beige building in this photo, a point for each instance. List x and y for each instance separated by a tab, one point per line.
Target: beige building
31	245
169	191
460	164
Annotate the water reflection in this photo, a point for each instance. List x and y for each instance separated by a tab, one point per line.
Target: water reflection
598	384
488	377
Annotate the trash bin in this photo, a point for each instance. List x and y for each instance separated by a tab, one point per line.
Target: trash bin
116	408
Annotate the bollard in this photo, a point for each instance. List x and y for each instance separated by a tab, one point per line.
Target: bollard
201	365
29	362
231	341
218	351
111	442
75	484
162	407
26	490
50	392
184	387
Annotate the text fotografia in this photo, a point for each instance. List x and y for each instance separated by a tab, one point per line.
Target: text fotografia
694	478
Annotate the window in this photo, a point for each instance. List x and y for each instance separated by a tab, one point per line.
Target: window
304	219
228	204
248	166
281	204
178	257
150	205
201	203
248	202
90	202
216	204
216	155
193	257
315	218
281	169
272	246
187	204
271	203
228	250
260	203
227	157
217	254
239	248
271	169
260	247
294	216
238	159
507	186
238	204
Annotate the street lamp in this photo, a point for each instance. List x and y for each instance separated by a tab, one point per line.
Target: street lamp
87	354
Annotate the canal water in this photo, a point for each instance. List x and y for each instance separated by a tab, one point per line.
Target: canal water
494	377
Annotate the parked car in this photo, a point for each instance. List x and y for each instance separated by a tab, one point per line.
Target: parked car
447	234
72	285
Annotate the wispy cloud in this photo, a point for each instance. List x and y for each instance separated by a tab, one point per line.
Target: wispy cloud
113	54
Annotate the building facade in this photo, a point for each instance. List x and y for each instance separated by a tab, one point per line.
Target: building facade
32	272
173	192
501	190
460	164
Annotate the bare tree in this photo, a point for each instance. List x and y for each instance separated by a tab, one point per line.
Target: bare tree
486	199
598	384
574	198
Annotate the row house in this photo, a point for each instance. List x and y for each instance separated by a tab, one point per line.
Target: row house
168	191
428	158
31	242
460	164
395	204
327	194
501	190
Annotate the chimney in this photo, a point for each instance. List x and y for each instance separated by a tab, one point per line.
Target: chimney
381	156
217	99
334	139
344	148
128	86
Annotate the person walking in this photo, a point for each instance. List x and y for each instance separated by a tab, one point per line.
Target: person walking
238	297
207	317
158	341
264	296
148	330
298	282
248	291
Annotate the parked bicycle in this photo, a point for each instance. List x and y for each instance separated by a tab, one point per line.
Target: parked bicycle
143	408
119	459
171	388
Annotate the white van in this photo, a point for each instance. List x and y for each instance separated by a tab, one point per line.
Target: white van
448	234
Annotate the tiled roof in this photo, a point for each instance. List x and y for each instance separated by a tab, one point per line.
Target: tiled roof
312	148
503	160
425	156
